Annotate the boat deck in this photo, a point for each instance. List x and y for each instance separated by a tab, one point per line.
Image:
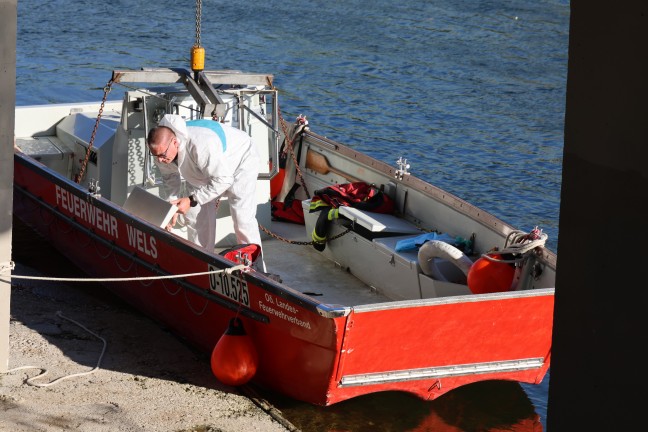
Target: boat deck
303	268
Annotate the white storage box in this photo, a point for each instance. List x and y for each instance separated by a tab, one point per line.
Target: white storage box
50	151
378	222
150	207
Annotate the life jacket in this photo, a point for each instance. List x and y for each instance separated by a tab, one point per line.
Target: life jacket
360	195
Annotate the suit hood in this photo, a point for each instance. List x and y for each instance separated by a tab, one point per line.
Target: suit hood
177	124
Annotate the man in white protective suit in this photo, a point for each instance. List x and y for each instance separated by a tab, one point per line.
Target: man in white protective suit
214	160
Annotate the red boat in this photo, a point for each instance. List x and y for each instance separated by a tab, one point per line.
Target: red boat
422	295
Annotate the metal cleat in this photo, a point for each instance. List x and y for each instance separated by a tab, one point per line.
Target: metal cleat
403	168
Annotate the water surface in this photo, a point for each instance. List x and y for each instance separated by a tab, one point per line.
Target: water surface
470	92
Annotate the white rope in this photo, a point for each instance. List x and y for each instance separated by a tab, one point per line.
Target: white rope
8	266
519	243
47	278
44	372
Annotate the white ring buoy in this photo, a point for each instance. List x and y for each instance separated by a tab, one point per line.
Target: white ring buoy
439	249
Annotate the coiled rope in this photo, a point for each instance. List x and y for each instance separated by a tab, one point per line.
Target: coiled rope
44	372
519	244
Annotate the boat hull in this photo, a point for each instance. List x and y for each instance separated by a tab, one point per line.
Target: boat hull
401	346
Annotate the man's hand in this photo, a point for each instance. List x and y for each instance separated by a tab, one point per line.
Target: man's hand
183	205
172	223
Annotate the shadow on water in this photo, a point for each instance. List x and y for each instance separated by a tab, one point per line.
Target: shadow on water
481	407
490	406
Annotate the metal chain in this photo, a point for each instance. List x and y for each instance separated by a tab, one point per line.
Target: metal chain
107	89
305	243
198	17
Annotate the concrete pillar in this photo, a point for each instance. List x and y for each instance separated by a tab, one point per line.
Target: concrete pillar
8	16
598	369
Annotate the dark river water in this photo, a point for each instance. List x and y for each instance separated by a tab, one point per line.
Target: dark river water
471	92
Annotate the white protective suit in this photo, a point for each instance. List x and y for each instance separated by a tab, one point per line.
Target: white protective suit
215	160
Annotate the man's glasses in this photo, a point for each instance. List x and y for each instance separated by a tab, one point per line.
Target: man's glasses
163	155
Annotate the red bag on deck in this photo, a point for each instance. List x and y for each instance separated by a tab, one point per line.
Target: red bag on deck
290	210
